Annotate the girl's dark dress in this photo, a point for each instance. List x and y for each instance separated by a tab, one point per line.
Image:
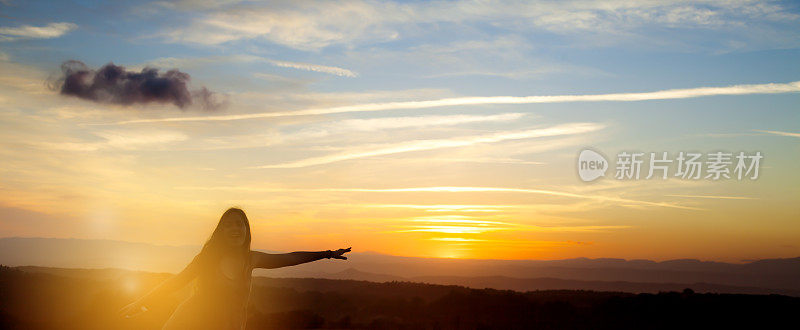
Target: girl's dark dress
218	302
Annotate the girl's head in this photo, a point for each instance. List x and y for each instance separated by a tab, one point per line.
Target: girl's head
232	234
235	228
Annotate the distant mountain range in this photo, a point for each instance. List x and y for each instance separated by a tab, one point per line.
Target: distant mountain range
757	277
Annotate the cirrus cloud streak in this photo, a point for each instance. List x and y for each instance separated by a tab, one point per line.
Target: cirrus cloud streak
458	189
52	30
670	94
421	145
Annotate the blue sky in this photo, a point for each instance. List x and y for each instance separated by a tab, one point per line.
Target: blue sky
294	56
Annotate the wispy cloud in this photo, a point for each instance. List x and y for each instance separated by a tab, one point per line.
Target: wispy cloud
343	127
171	62
314	67
520	243
779	133
528	191
377	124
714	197
421	145
450	208
491	160
300	25
313	25
52	30
120	140
460	189
772	88
452	229
456	224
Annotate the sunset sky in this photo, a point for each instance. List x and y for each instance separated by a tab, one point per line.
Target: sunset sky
431	129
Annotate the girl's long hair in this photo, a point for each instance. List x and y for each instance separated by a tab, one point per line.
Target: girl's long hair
216	247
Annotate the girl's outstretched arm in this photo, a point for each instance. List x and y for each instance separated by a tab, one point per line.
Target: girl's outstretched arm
170	285
268	260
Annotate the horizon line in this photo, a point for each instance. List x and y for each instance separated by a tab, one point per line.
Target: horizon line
740	262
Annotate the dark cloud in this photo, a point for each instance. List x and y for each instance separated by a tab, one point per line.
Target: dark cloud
113	84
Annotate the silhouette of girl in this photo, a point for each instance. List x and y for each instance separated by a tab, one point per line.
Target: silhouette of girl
223	270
